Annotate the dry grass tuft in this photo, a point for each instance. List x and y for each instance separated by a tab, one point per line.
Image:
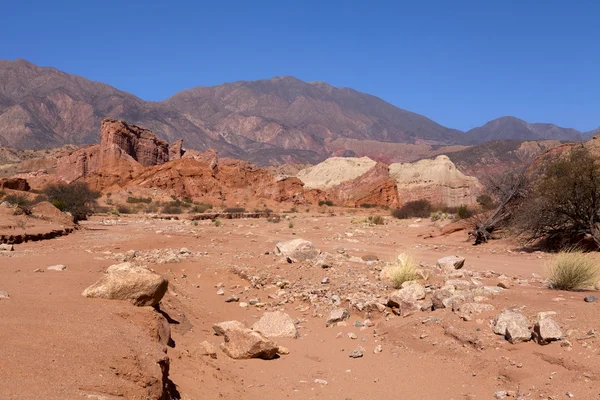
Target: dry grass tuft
401	270
572	270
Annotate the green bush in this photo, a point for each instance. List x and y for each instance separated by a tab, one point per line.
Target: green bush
328	203
188	200
123	209
200	208
291	225
413	209
76	198
138	200
367	205
217	222
18	200
172	208
572	270
463	212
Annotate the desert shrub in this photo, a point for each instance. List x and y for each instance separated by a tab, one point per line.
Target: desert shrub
275	219
293	210
60	204
376	220
138	200
76	198
172	207
123	209
200	208
235	210
403	269
486	202
328	203
563	205
151	208
188	200
98	209
291	225
2	194
413	209
367	205
572	270
18	200
463	212
217	222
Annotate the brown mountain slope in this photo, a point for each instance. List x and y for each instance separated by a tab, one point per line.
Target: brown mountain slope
268	121
514	128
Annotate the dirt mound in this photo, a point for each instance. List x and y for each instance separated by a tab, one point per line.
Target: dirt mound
46	211
438	181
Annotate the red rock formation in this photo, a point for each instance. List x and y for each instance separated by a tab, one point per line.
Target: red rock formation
120	143
176	150
15	184
140	144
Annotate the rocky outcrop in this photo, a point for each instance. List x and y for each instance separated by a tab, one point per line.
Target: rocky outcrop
246	344
334	171
276	324
438	181
122	147
15	184
297	250
176	150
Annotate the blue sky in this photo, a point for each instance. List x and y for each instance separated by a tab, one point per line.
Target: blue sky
460	63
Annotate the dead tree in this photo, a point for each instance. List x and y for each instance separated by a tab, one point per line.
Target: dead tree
509	191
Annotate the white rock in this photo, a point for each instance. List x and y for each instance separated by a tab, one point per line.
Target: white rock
276	324
59	267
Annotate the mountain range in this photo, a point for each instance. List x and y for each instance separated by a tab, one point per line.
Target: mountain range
271	121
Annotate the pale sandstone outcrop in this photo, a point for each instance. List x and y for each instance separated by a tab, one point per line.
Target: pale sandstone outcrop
438	181
334	171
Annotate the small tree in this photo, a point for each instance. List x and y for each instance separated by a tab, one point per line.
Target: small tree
564	204
76	198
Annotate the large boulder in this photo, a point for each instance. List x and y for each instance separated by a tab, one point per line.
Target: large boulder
276	324
126	281
439	297
513	326
297	250
246	343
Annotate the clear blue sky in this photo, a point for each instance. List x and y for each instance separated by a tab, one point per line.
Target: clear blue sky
460	63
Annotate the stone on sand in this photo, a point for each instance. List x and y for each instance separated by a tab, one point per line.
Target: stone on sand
297	250
126	281
246	343
337	315
276	324
451	263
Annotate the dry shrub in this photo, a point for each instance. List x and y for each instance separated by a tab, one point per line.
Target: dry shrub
403	269
376	220
572	270
414	209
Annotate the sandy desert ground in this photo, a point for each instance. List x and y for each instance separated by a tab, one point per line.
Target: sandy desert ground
57	344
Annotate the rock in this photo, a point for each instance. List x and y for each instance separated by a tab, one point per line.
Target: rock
458	284
59	267
6	247
4	294
276	324
126	281
513	326
500	394
476	308
357	353
221	327
590	299
321	381
325	281
451	263
378	349
517	332
597	285
546	330
176	150
232	299
297	250
208	349
283	350
337	315
410	294
438	298
246	344
221	292
352	335
243	304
